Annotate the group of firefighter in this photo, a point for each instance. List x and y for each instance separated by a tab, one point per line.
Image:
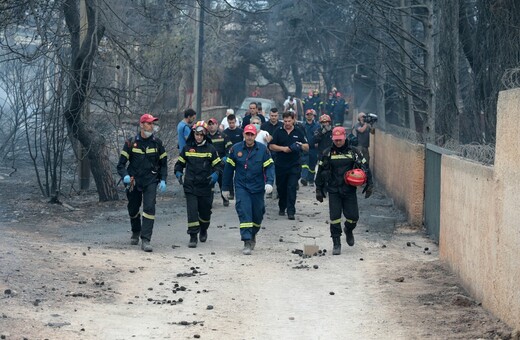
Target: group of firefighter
246	164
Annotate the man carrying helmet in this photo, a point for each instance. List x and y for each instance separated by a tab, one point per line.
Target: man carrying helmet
148	167
252	165
335	176
201	167
323	135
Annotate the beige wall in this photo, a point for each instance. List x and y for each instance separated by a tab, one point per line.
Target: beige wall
480	208
398	166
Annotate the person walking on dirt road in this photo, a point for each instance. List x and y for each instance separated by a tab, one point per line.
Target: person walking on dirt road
332	176
203	167
288	143
252	165
147	169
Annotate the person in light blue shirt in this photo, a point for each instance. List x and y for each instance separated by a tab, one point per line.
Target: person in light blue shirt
184	127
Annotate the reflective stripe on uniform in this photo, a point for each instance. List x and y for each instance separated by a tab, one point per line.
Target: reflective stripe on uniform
256	225
216	161
182	160
203	221
351	221
148	216
199	154
246	225
338	221
136	216
267	162
217	140
164	154
124	153
193	224
342	156
137	150
151	150
230	161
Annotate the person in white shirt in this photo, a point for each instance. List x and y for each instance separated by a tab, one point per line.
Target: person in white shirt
224	124
261	136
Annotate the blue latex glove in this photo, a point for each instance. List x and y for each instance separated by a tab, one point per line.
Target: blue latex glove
213	178
178	174
162	186
126	179
295	147
224	159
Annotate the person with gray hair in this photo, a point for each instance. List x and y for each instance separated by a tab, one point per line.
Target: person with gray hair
224	123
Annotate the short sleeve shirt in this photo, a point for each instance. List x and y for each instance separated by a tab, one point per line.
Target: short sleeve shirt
282	138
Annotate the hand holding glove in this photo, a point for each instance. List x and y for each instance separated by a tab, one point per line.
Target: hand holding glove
213	178
268	189
295	147
178	174
162	186
226	194
126	179
367	191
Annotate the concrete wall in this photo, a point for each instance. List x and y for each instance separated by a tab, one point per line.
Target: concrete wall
480	216
480	222
398	166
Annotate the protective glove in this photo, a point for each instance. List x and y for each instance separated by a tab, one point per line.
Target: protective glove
295	147
178	174
213	178
226	194
367	191
126	179
162	186
224	159
268	189
319	195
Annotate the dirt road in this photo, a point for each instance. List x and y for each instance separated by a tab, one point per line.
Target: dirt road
68	272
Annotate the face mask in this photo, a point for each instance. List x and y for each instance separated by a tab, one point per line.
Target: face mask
257	126
147	133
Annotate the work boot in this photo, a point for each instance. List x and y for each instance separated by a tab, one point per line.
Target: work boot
281	213
193	241
203	235
290	216
269	195
304	182
253	242
231	196
134	240
336	249
225	202
247	248
146	246
350	236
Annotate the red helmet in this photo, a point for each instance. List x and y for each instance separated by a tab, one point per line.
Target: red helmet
355	177
325	118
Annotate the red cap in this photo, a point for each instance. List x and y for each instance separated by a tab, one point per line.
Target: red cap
339	133
212	121
250	128
147	118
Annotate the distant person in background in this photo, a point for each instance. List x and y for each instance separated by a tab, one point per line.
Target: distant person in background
184	127
310	158
224	123
323	135
221	143
340	109
256	92
253	112
362	131
235	135
273	123
261	136
290	103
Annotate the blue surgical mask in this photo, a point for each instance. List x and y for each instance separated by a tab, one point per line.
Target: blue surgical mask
257	126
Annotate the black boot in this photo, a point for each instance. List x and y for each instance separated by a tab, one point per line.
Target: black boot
247	248
193	241
203	236
336	249
349	228
135	222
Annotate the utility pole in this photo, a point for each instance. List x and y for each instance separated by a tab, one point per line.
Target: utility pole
199	48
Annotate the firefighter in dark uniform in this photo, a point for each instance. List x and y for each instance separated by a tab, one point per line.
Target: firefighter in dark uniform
336	161
203	167
323	136
253	167
222	144
148	167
